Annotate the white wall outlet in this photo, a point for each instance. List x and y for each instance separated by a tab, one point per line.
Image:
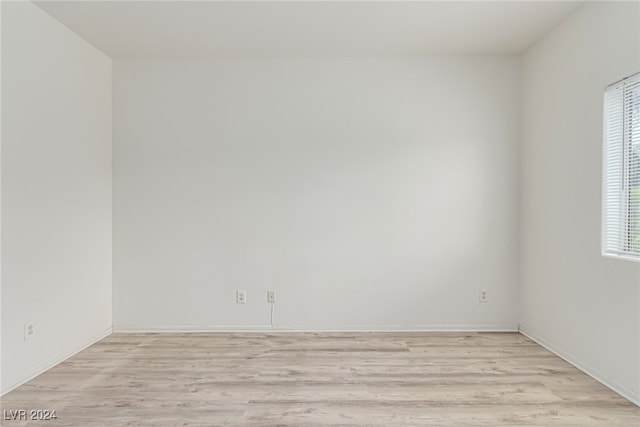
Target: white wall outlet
241	296
271	296
484	295
29	331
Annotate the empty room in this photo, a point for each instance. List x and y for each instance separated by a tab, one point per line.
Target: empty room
320	213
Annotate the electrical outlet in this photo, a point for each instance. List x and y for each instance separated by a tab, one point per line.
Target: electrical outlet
29	331
271	296
241	296
484	295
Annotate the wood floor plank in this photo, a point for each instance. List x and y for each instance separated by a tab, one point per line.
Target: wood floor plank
320	379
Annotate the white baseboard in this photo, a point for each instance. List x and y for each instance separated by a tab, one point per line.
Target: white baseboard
31	374
315	328
575	361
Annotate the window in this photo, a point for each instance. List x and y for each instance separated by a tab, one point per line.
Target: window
621	175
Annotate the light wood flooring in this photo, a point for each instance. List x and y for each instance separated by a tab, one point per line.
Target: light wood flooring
314	379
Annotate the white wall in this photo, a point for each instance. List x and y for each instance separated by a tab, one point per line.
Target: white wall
583	306
56	192
370	193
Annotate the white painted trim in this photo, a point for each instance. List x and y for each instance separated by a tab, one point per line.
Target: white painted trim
28	376
316	328
623	257
575	361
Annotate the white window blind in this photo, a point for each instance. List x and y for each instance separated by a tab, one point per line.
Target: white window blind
621	174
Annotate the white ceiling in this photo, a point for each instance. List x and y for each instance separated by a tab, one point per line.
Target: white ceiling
310	29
